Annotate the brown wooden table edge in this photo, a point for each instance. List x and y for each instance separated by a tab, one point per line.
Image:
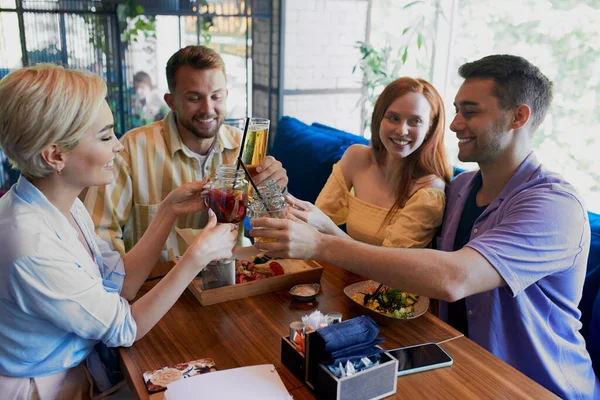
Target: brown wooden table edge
133	375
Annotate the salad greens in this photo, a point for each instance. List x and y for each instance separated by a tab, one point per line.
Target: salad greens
392	302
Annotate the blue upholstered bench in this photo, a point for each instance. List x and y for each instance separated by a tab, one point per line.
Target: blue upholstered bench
308	152
590	302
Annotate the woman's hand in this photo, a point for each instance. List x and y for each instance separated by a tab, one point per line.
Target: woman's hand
215	242
307	212
189	198
295	239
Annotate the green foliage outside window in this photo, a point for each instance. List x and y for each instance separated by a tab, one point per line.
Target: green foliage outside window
381	65
562	38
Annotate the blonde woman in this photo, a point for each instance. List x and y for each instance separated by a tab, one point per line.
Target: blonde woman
62	290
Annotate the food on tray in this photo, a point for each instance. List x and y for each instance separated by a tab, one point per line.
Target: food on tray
263	266
276	268
257	268
388	301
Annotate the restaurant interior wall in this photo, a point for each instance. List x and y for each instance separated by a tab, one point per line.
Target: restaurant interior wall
319	46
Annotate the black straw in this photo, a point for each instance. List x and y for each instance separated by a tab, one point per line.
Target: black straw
240	162
241	153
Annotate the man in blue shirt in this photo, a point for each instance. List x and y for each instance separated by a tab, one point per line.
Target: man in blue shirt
515	237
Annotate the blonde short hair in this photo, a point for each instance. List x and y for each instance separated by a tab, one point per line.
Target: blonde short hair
42	105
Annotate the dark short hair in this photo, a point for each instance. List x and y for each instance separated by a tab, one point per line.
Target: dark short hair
517	81
197	57
142	77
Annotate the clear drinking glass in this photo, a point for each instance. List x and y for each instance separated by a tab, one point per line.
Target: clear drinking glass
218	273
271	205
256	143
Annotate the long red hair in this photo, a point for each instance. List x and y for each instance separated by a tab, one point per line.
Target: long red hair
430	158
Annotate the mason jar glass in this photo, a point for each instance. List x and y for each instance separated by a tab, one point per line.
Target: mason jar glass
228	195
270	204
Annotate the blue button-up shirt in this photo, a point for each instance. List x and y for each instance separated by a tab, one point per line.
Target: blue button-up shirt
56	302
536	235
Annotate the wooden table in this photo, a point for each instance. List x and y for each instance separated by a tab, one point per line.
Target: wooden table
248	332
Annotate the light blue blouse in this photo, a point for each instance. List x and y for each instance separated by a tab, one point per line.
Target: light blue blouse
56	302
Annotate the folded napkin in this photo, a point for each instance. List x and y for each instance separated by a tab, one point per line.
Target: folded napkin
355	331
355	337
359	350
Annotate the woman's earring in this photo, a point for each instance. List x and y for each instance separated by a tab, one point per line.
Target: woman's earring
59	171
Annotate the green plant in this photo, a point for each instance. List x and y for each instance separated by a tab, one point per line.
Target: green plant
381	65
378	68
206	23
133	24
131	21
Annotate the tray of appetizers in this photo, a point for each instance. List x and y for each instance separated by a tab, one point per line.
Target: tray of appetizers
258	274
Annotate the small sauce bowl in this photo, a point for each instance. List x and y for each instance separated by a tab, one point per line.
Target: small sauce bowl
305	292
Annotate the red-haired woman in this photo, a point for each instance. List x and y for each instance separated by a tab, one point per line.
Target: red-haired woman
390	193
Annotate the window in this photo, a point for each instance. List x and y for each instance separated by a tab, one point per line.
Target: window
562	38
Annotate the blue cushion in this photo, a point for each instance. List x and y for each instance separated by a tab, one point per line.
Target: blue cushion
594	258
308	154
343	135
457	171
593	336
591	286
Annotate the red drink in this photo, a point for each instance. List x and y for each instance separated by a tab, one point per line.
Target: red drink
229	205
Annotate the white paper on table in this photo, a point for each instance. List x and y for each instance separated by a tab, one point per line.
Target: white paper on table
257	382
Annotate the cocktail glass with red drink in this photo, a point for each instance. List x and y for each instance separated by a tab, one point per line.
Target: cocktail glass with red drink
228	195
229	204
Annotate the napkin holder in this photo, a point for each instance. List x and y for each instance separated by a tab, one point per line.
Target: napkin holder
293	359
303	365
373	383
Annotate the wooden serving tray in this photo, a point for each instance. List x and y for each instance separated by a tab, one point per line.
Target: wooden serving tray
311	274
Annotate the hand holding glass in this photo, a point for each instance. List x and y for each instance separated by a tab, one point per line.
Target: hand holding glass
272	205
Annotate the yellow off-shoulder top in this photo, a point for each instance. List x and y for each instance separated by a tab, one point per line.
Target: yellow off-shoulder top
414	225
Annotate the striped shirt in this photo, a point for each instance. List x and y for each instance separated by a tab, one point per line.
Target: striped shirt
154	162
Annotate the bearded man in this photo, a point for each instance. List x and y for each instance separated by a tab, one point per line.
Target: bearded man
187	145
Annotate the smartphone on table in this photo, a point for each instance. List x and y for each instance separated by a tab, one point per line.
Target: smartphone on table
421	357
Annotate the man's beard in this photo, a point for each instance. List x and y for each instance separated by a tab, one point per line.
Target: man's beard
487	151
189	125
